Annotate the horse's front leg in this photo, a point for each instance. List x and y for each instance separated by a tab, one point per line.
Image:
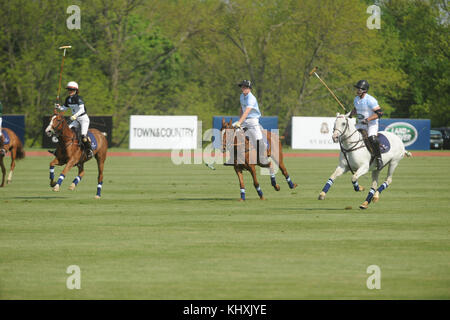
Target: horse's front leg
241	182
69	166
53	163
338	172
255	182
359	173
2	164
77	178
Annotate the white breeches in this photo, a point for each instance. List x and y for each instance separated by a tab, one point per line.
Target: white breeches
372	129
253	129
82	121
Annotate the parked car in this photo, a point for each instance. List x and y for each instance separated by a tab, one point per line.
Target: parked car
445	135
436	140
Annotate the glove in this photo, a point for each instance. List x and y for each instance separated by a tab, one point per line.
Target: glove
73	118
365	121
236	124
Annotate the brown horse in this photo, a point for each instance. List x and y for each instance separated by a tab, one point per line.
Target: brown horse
245	156
14	146
70	153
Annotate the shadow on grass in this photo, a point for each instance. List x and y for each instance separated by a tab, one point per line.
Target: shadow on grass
207	199
36	198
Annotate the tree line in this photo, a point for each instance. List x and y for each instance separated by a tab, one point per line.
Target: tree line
185	57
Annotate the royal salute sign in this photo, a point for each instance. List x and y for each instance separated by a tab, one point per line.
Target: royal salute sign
163	132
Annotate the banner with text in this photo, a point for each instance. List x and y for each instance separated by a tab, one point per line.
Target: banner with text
313	133
163	132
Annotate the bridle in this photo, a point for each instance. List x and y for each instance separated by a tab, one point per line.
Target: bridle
232	143
354	145
59	132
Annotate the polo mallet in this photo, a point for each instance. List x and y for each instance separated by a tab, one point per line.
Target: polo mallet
313	71
62	65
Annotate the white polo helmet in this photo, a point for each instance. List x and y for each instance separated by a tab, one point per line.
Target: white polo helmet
72	85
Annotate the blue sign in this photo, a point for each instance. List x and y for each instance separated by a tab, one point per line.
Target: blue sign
17	124
267	123
415	133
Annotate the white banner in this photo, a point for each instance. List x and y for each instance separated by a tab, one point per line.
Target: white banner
163	132
313	133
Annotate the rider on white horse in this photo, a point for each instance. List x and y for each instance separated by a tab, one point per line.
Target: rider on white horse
368	112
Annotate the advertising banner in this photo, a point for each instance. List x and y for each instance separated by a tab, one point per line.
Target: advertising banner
315	132
163	132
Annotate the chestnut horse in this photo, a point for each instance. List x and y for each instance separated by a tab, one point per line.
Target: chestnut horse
245	157
70	153
14	146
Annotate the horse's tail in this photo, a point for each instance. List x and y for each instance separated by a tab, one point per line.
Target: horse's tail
20	152
408	154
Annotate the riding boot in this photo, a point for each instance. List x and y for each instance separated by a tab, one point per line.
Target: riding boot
2	150
376	150
263	158
87	147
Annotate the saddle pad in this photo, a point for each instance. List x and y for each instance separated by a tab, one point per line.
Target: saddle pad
93	140
385	145
5	137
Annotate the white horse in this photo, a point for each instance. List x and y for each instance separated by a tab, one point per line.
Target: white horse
356	157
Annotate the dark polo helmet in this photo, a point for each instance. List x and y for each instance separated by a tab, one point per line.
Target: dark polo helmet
363	85
245	83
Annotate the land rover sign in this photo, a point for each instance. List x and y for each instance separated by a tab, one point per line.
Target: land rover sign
407	132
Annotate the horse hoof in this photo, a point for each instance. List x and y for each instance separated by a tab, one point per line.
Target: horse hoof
241	200
361	188
364	205
376	197
295	186
322	196
277	187
262	198
52	184
56	188
72	187
97	197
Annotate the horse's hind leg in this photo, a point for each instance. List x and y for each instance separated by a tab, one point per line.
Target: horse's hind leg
2	165
282	167
392	167
100	165
77	178
13	164
338	172
256	183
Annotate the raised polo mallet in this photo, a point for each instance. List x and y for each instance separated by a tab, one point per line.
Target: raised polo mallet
313	71
62	65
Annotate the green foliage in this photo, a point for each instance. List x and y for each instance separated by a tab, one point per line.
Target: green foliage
185	57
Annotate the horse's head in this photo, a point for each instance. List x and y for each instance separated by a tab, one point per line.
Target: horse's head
56	124
340	126
226	127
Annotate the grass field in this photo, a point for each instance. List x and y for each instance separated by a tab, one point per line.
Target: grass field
163	231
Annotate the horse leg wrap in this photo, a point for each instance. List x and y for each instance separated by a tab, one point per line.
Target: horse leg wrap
260	193
273	181
61	179
290	183
355	185
370	195
382	187
52	173
99	188
76	180
243	194
327	185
